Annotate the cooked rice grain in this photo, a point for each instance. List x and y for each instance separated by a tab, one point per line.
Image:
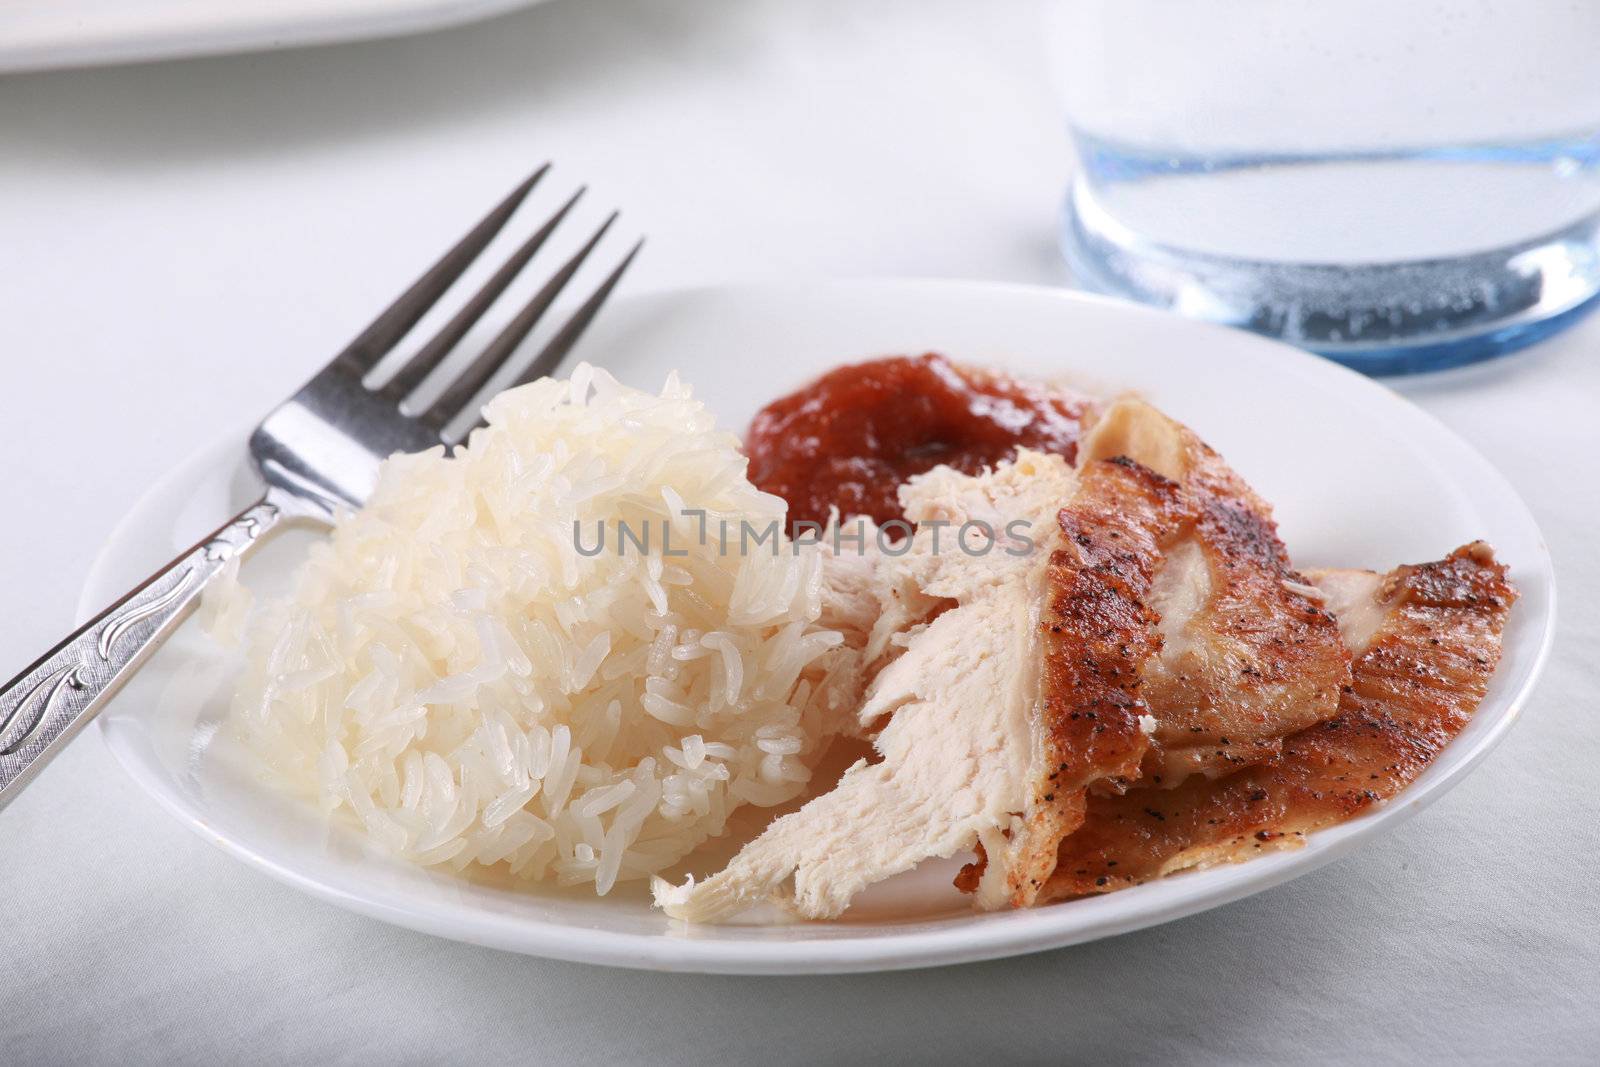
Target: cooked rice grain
458	678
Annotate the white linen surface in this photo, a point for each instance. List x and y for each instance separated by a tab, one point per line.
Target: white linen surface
185	242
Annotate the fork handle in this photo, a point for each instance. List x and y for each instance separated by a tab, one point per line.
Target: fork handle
42	708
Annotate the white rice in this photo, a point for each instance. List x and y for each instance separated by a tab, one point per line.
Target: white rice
457	678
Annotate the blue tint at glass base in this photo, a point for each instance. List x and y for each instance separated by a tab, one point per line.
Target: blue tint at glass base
1377	317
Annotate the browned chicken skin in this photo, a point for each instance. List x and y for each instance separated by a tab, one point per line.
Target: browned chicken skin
1247	657
1098	637
1429	640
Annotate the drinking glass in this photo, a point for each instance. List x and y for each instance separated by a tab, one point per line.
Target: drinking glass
1397	184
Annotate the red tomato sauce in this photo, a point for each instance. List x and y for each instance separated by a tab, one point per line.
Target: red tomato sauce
853	436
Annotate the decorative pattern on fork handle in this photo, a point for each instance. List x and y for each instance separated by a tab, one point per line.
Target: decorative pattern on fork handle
49	702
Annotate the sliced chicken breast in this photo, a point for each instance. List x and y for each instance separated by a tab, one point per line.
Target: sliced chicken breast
1426	639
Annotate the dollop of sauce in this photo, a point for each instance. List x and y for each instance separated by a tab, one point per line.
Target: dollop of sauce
853	436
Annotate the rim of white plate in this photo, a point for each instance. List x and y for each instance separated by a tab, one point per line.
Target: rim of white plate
967	939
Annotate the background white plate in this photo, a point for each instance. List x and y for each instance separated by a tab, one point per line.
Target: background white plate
45	34
1359	476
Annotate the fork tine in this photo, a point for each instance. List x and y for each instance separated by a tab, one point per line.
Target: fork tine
476	374
430	355
550	357
362	354
556	350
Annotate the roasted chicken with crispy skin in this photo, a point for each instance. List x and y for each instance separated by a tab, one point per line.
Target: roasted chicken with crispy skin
1146	685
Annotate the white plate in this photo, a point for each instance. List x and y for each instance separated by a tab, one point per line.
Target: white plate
1360	477
46	34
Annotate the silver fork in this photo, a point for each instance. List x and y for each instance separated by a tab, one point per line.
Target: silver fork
316	452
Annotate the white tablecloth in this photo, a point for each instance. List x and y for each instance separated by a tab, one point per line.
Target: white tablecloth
180	244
